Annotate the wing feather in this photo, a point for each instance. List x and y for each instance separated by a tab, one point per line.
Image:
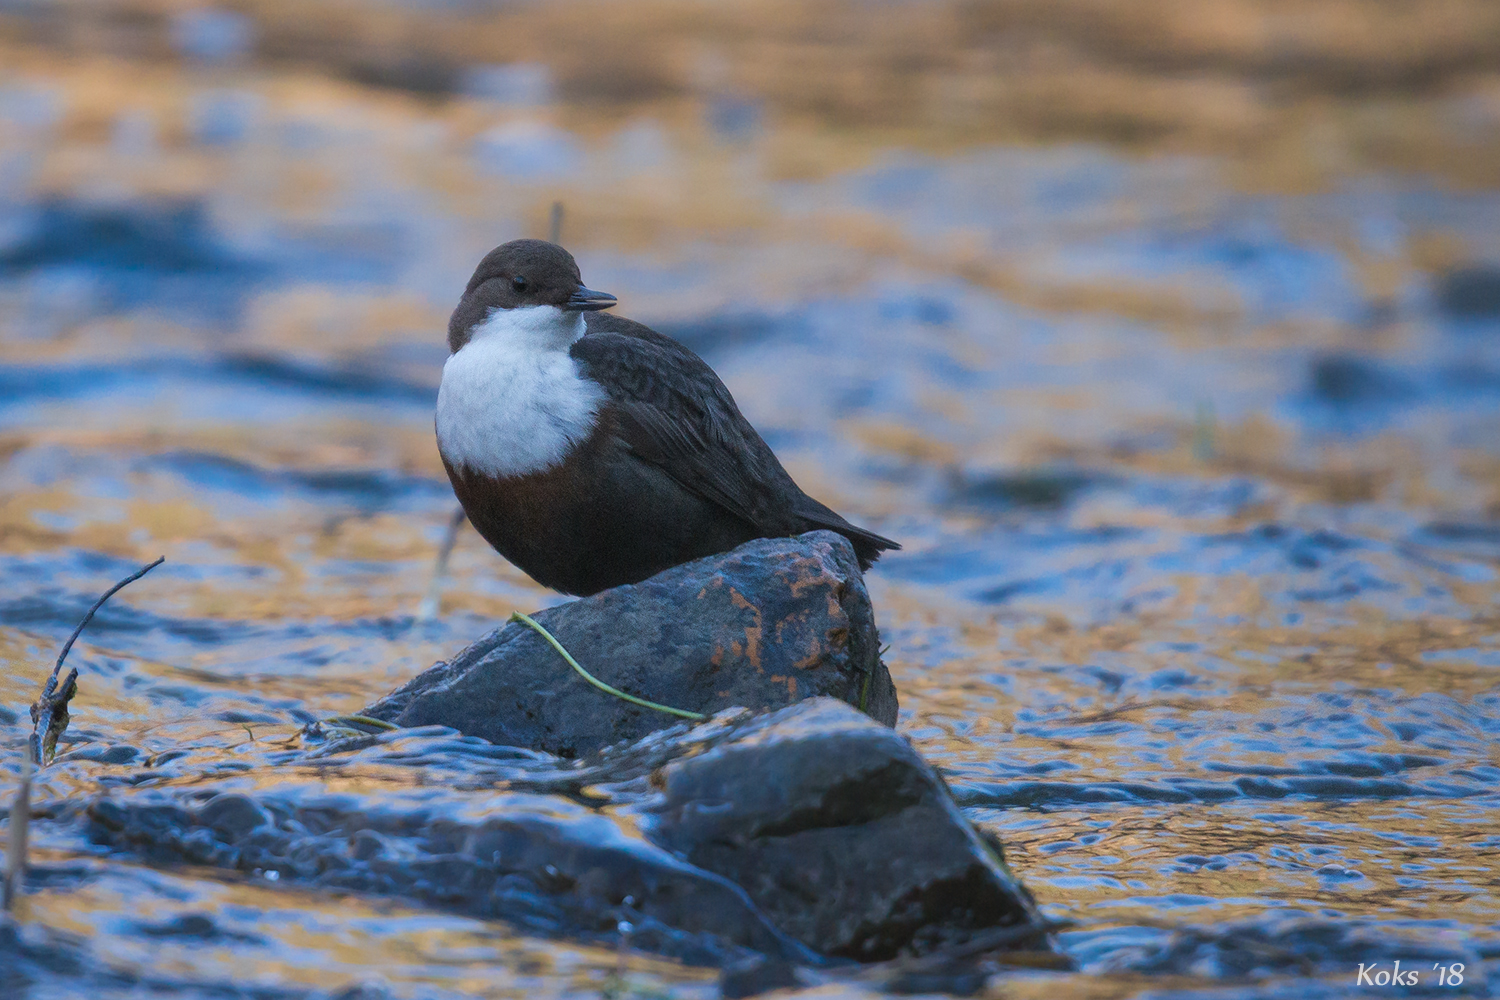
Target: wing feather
675	413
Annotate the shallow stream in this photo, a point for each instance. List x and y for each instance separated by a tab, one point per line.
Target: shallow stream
1199	488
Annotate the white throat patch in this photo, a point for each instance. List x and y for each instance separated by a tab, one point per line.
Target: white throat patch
513	400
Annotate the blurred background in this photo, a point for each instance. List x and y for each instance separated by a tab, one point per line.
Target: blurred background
1165	335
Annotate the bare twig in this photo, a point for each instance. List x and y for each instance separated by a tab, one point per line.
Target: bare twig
431	602
554	225
49	713
15	851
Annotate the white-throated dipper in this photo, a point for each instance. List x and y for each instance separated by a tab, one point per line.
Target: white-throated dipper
592	451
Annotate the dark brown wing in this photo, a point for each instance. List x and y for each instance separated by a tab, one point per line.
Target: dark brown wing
675	413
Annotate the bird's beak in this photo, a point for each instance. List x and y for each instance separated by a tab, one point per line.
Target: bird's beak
588	300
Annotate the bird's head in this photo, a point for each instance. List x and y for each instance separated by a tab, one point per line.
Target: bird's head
537	286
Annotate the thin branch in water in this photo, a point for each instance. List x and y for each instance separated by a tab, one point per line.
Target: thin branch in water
432	601
49	713
15	851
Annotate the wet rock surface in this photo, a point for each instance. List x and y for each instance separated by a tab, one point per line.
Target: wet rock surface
840	832
773	622
545	865
804	835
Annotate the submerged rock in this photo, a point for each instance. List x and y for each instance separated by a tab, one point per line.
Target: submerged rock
773	622
806	836
844	837
545	864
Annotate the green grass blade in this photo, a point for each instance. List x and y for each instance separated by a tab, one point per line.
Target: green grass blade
552	641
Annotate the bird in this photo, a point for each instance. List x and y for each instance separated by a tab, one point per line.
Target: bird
592	451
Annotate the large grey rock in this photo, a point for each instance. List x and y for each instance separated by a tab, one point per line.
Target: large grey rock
838	830
773	622
803	835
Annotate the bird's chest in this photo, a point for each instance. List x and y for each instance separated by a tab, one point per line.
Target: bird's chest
504	412
553	523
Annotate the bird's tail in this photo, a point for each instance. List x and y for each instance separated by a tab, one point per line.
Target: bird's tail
867	544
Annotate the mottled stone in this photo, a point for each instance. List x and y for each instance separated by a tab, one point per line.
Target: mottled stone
764	626
838	830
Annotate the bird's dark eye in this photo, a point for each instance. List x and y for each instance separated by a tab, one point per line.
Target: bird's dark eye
518	283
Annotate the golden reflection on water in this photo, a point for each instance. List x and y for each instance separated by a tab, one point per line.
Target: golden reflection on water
1183	115
282	936
1119	865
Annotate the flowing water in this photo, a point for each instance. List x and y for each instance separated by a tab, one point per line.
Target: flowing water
1198	482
